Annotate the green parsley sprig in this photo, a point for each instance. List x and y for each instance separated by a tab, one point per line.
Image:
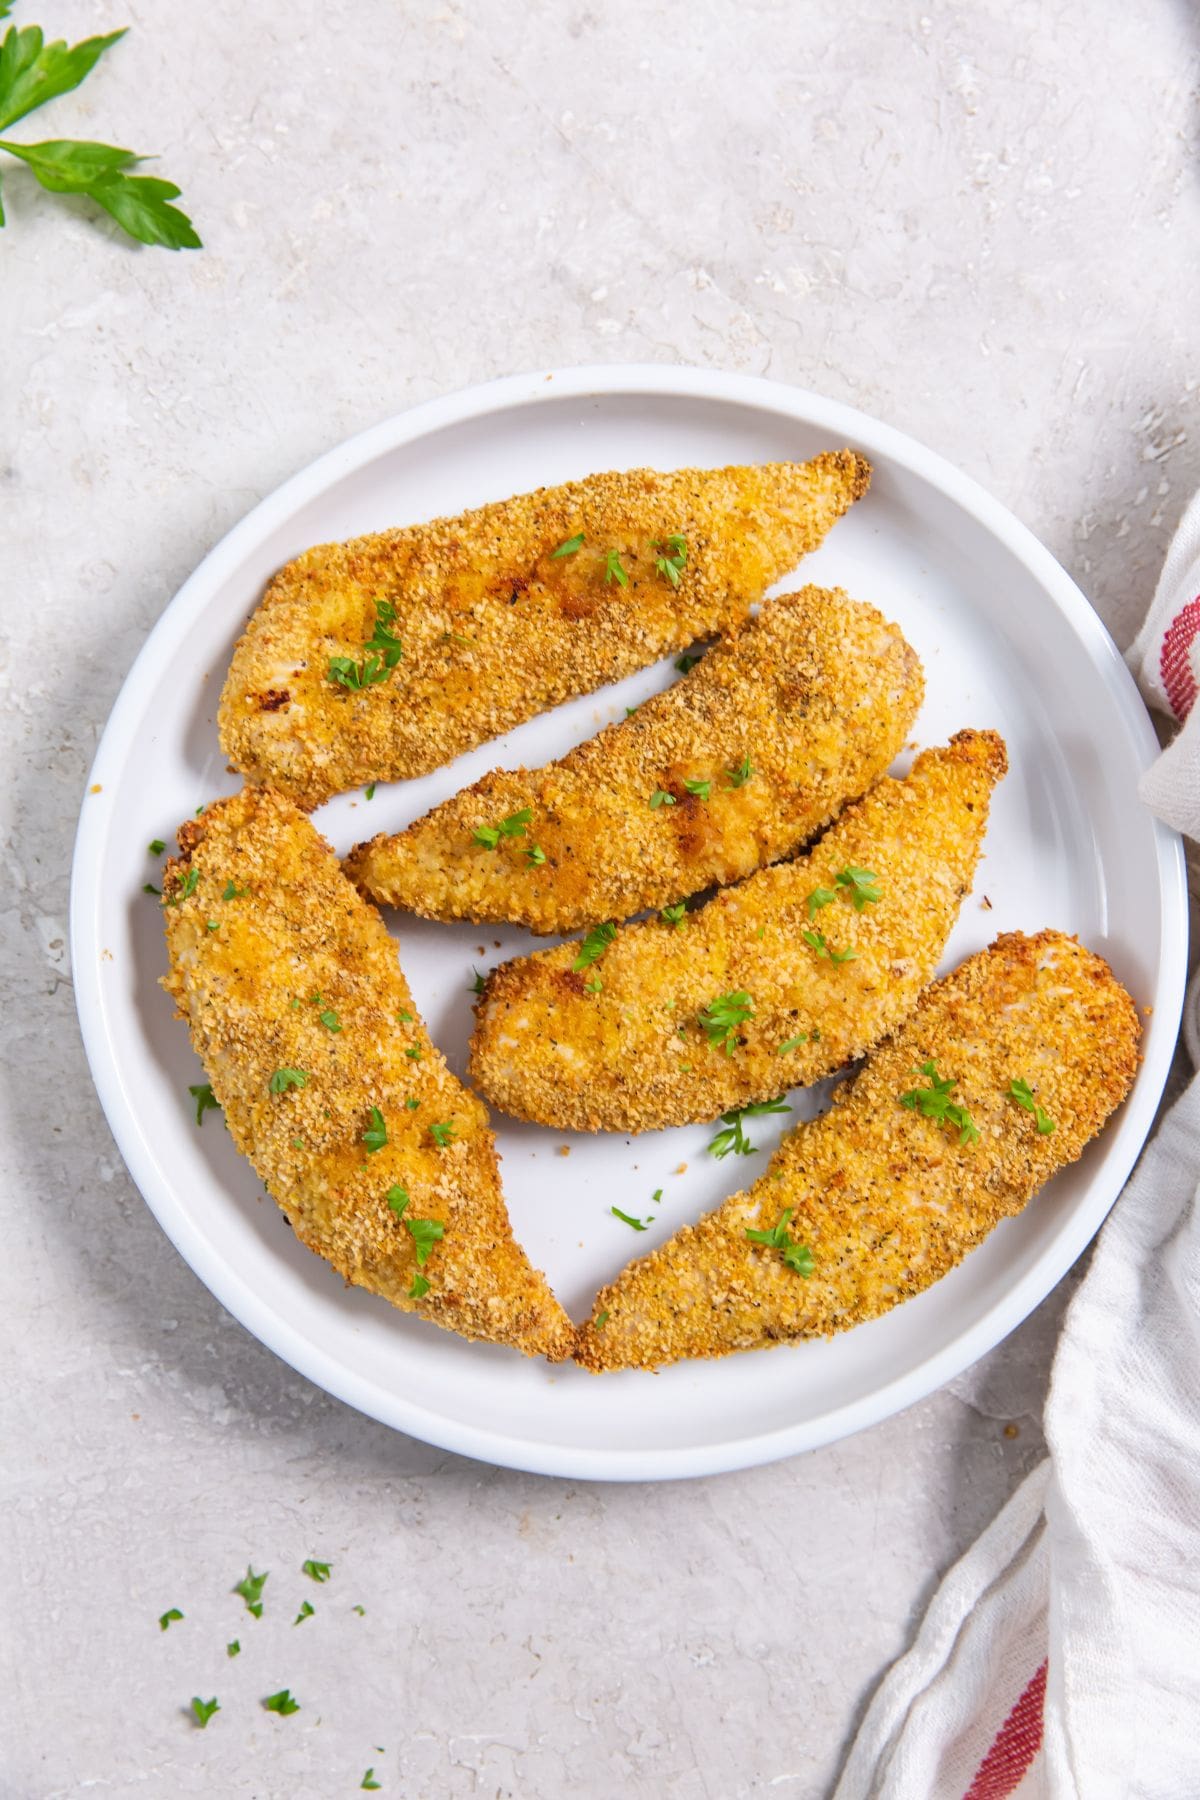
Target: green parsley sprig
673	560
614	569
250	1588
723	1017
733	1140
282	1702
934	1102
797	1257
816	941
860	885
383	650
593	946
33	72
569	546
512	827
1022	1093
204	1097
204	1710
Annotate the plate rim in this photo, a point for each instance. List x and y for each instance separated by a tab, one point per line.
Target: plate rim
844	424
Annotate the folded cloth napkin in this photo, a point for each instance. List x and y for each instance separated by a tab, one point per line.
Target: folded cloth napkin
1061	1656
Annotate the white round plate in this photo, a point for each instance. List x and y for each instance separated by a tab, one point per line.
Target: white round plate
1007	641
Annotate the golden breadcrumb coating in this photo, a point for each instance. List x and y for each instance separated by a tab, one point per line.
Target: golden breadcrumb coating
885	1199
775	729
278	965
495	628
635	1056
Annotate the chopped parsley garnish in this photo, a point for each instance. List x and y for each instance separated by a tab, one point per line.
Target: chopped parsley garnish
1022	1093
701	789
660	797
860	884
722	1017
413	1052
233	1648
569	546
148	887
601	1320
369	791
594	985
442	1134
375	1136
594	945
283	1079
512	827
307	1609
297	1143
316	1571
477	983
425	1233
398	1198
251	1591
170	1617
792	1043
281	1702
187	887
156	846
797	1256
630	710
330	1020
345	672
687	662
212	925
625	1218
934	1102
232	891
674	559
818	898
360	1610
419	1288
204	1097
733	1140
535	854
404	1017
383	642
656	1197
816	941
740	773
613	570
674	915
204	1710
368	1780
411	1105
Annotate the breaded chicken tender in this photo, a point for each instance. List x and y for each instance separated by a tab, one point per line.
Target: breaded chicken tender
380	1159
772	984
389	655
734	766
999	1079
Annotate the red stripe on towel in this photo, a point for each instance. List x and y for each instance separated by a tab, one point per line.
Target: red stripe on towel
1175	662
1016	1744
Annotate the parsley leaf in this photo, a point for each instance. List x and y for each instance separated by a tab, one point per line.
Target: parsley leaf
701	789
204	1098
281	1702
148	887
156	846
233	1648
594	945
818	898
186	888
413	1052
535	854
419	1288
169	1618
672	563
232	891
816	941
600	1321
512	827
687	662
383	642
32	71
934	1102
307	1609
733	1138
861	885
740	773
283	1079
478	983
797	1256
613	569
1022	1093
792	1043
569	546
625	1219
425	1233
316	1571
674	915
375	1136
398	1198
442	1134
722	1017
369	791
368	1780
204	1710
660	797
251	1591
330	1020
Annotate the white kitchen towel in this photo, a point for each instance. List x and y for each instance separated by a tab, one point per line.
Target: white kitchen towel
1060	1657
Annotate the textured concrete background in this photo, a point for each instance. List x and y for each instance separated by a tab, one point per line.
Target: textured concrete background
976	221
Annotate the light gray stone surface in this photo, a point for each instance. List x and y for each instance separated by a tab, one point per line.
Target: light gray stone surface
976	221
